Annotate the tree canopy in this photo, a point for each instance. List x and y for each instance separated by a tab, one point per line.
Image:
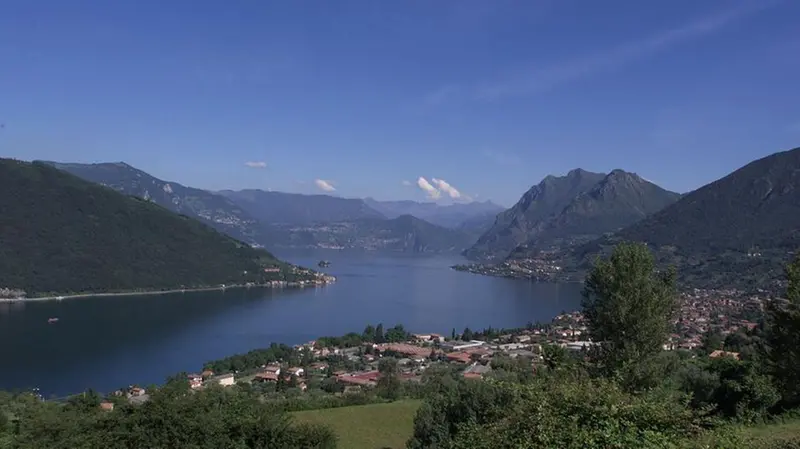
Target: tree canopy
628	307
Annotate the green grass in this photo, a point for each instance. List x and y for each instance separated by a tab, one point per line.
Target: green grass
778	435
371	426
787	430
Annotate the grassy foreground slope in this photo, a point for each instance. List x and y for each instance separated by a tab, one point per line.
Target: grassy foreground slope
61	234
367	426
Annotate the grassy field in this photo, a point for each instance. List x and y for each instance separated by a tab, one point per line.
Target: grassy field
774	433
371	426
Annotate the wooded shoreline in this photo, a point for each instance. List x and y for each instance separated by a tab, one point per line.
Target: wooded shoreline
158	292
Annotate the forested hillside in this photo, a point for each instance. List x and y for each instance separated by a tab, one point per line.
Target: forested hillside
61	234
211	208
736	231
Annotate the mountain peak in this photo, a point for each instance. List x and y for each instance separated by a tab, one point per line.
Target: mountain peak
754	206
578	206
576	172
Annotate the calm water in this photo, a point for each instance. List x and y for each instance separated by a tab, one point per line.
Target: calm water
105	343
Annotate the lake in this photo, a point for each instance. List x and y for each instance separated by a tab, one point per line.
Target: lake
107	343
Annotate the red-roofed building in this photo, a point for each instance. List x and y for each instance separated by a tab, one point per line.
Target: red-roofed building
369	378
107	406
461	357
266	376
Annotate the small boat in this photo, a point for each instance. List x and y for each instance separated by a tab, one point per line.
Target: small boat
52	320
59	298
324	263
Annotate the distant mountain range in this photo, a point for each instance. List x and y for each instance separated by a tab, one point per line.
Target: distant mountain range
62	234
465	216
405	233
563	211
737	231
295	208
213	209
278	219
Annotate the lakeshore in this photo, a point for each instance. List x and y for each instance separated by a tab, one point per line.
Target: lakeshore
322	280
105	342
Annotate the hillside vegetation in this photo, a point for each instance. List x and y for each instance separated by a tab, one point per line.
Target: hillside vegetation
736	231
61	234
211	208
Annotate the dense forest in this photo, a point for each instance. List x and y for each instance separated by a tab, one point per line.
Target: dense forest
61	234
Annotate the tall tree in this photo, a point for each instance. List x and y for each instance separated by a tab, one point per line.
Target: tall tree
379	333
389	378
712	340
369	333
628	306
783	337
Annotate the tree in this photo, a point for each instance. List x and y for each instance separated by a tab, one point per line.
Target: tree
711	342
467	334
369	333
554	356
628	306
396	334
379	333
389	378
783	337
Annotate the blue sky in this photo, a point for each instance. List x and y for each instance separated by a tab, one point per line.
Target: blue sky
485	97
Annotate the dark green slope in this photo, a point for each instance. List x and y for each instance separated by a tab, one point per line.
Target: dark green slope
213	209
62	234
736	231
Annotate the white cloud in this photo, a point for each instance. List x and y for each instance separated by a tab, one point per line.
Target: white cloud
324	185
431	191
530	82
434	189
256	164
445	187
406	183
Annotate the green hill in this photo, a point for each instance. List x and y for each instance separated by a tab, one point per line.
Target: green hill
210	208
737	231
61	234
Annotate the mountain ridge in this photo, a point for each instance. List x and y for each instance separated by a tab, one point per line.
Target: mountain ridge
405	233
213	209
296	208
566	210
457	215
740	228
63	234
